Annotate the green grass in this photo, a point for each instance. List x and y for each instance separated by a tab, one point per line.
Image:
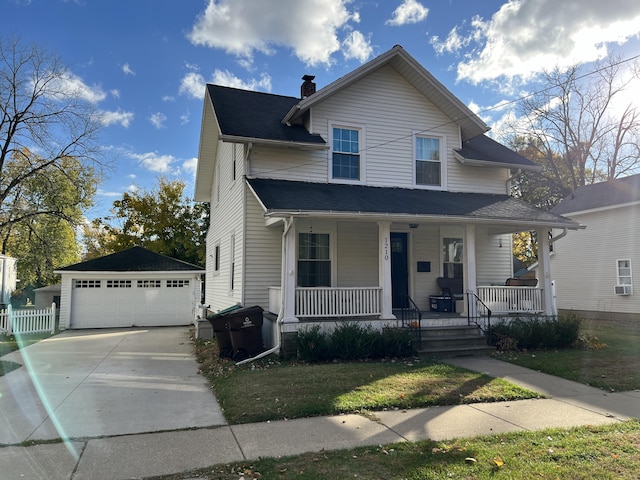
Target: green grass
603	452
273	390
608	358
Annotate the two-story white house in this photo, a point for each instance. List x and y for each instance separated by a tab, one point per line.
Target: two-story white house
346	201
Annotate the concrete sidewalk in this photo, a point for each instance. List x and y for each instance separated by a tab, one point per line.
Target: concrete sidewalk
163	453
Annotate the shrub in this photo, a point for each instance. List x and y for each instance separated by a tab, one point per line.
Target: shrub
537	332
312	345
352	341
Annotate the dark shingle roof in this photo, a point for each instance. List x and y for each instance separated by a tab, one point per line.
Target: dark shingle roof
249	114
136	259
488	150
603	194
289	196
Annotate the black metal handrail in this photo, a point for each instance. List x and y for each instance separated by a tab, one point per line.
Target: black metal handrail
472	313
411	317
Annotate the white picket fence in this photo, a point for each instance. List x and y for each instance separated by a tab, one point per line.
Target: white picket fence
28	320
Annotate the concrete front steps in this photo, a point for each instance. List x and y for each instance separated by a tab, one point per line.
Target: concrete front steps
452	341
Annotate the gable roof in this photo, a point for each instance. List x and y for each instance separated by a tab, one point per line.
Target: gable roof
135	259
483	150
287	198
619	191
255	116
470	124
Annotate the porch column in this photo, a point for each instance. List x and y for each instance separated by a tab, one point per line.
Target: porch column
469	262
544	270
289	272
384	242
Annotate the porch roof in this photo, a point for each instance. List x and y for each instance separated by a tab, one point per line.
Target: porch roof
283	198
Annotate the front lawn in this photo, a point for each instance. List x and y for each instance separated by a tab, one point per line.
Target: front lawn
608	356
10	344
603	452
274	390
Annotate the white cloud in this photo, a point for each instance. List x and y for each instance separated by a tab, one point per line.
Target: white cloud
225	77
410	11
525	37
242	27
357	46
70	84
185	118
158	119
168	98
127	69
192	85
452	44
190	165
154	162
118	117
115	93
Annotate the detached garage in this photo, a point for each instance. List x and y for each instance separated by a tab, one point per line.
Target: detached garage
134	287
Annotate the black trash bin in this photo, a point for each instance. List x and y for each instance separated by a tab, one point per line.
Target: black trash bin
245	329
220	325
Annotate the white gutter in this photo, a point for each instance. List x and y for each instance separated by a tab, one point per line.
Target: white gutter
288	222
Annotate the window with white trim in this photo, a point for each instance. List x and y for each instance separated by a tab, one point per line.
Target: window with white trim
624	275
216	258
177	283
345	155
86	283
428	161
118	283
232	263
149	283
314	260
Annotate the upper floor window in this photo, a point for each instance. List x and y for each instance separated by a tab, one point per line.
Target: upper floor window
346	154
428	164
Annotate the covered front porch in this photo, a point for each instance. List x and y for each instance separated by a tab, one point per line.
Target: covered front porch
374	269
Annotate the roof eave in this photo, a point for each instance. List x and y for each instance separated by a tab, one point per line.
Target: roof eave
275	143
204	174
475	162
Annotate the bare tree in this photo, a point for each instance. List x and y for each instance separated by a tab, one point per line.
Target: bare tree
48	131
579	129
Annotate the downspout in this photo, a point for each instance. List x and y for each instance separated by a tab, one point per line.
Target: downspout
554	239
288	222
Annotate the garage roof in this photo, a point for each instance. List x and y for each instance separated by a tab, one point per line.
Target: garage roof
135	259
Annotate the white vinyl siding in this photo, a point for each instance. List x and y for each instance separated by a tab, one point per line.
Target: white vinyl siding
494	263
227	218
583	264
262	256
357	254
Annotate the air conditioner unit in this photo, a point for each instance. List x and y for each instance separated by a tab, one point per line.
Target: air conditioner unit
623	289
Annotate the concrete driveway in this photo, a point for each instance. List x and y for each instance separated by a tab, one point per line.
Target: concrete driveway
97	383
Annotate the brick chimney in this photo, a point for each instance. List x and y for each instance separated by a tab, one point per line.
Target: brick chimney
308	87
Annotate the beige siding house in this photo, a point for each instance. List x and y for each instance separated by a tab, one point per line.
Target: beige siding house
350	201
596	270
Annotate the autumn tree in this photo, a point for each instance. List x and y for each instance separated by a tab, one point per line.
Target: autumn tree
161	219
48	137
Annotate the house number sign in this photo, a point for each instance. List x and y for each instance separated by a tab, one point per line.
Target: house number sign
386	248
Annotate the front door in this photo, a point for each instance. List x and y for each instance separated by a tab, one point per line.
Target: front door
399	270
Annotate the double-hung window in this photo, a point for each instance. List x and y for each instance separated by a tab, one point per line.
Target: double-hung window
346	154
314	260
428	163
624	277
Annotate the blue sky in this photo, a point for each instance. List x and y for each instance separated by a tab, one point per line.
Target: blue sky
144	63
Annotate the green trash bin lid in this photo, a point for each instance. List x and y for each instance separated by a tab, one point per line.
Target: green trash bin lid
224	311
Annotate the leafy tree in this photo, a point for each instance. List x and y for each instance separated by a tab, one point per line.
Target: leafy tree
48	130
576	129
161	219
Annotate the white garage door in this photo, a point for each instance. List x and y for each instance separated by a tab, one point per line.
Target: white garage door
131	302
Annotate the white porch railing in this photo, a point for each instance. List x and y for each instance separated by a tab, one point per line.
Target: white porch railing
330	302
338	302
511	299
24	321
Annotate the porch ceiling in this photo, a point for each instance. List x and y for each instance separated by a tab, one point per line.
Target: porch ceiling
288	198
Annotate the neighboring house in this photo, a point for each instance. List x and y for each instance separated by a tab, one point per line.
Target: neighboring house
8	279
134	287
341	203
45	296
597	271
